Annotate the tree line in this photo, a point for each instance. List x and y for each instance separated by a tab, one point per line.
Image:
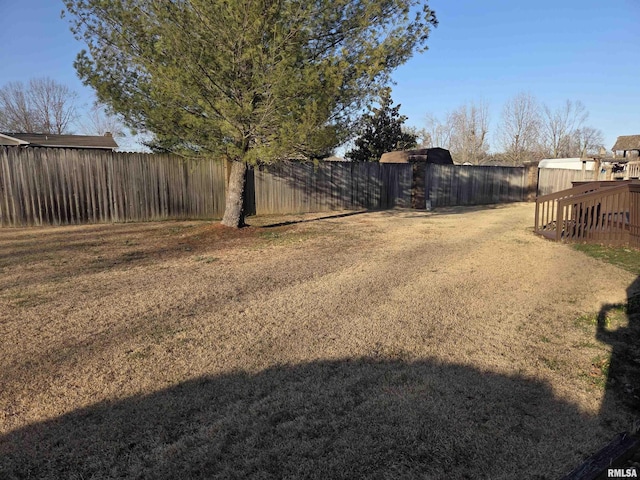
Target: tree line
528	130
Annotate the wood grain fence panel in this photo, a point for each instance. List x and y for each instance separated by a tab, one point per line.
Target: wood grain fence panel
65	186
450	185
552	180
298	187
58	186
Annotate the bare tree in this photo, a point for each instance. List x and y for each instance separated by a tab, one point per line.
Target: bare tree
16	114
469	126
586	141
438	134
519	128
100	122
559	127
42	106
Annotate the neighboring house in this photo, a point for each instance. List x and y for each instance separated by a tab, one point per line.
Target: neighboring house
627	144
48	140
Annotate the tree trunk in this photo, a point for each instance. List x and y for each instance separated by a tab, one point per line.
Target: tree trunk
234	206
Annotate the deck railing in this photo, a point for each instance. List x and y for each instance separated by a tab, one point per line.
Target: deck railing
633	170
634	215
594	212
547	206
601	216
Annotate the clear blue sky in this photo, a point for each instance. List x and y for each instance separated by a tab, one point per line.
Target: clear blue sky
488	50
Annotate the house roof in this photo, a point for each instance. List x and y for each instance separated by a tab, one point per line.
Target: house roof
7	140
627	142
60	141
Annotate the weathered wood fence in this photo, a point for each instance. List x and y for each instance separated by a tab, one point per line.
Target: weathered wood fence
552	180
297	187
50	186
449	185
66	186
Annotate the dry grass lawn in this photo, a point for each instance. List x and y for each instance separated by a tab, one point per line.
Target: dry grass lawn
398	344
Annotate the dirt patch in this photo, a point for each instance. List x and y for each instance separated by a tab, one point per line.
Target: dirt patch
385	344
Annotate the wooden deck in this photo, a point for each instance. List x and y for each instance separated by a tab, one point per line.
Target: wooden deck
602	212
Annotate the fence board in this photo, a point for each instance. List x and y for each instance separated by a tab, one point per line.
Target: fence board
449	185
63	186
552	180
298	187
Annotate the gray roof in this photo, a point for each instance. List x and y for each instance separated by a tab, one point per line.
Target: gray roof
65	141
627	142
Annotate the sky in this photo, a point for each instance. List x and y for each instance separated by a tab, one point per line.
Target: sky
487	51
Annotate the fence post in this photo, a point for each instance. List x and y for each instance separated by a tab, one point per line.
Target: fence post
418	200
530	173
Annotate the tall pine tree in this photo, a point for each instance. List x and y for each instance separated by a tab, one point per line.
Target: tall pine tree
245	80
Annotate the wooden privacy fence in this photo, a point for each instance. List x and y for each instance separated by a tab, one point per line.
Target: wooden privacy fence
449	185
51	186
65	186
593	212
41	186
295	187
552	180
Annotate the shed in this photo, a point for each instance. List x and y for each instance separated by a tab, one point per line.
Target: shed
418	159
440	156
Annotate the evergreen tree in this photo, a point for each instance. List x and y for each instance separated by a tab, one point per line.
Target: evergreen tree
380	131
246	80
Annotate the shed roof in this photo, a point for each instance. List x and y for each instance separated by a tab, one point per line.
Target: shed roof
627	142
65	141
427	155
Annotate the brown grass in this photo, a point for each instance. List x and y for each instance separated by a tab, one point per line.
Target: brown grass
382	345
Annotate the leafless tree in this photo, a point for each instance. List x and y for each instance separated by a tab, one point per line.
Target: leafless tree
100	122
586	141
519	128
469	133
42	106
559	127
15	112
437	134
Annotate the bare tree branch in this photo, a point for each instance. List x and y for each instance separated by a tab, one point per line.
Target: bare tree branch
519	129
44	106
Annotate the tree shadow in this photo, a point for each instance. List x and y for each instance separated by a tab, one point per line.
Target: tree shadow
618	325
623	369
299	187
316	219
375	417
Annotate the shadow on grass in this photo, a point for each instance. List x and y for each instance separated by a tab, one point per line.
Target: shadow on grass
362	418
326	217
394	212
623	369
